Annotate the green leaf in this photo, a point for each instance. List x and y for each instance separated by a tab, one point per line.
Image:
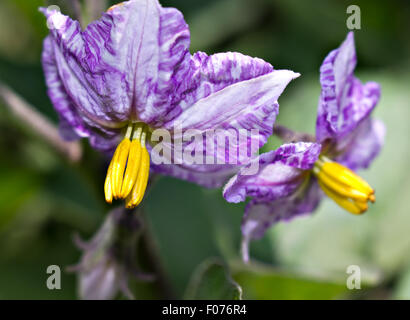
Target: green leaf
18	185
182	230
402	289
76	198
265	283
212	280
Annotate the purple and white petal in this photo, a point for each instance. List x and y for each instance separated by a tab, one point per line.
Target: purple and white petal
163	63
245	110
72	125
122	66
273	175
344	101
261	215
363	145
105	143
89	68
209	74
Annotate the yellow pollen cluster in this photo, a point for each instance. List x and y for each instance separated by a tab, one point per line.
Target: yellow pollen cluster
344	186
127	175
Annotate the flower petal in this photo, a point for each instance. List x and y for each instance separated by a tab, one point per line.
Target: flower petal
344	101
105	142
279	173
260	215
363	145
71	124
121	66
236	110
209	74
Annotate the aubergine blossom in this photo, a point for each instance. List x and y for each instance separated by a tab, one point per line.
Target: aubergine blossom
131	73
291	179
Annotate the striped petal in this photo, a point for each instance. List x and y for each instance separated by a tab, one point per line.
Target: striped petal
344	101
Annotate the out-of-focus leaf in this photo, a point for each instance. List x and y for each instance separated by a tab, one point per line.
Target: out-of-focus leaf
402	289
16	187
20	17
212	281
25	225
25	276
181	228
75	197
265	283
221	20
226	224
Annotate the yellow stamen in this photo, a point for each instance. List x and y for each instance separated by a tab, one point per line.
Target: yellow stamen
133	165
127	175
118	162
107	185
344	189
344	175
344	186
343	202
118	167
137	193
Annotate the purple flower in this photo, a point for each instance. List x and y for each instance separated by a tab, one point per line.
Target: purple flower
131	73
291	179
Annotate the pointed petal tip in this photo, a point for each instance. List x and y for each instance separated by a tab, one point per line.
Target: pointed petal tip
295	74
288	73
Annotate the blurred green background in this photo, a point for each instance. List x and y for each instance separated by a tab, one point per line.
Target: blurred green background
44	199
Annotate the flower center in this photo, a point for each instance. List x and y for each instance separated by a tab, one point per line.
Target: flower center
344	186
127	175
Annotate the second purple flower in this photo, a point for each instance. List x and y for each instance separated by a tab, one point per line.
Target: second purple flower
292	178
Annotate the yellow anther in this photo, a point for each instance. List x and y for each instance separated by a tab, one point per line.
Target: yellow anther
133	164
344	186
127	175
108	178
137	193
107	185
346	176
119	162
343	202
362	205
